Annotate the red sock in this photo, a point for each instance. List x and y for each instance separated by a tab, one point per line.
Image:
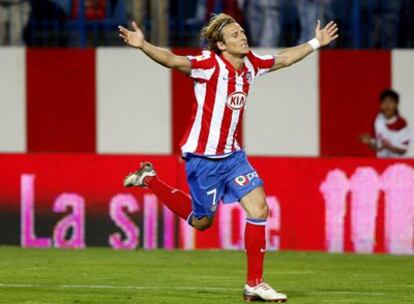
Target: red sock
255	244
176	200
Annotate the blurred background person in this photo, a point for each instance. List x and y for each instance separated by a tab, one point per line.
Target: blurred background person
233	8
137	11
14	15
392	135
380	22
200	13
309	11
47	26
94	9
263	22
157	12
406	35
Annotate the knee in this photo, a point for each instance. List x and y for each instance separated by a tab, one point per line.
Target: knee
202	224
259	209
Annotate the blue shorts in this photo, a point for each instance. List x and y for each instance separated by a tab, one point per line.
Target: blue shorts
212	180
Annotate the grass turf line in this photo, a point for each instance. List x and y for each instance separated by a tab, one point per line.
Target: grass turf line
98	275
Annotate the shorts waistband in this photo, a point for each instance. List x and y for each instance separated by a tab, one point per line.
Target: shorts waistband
229	156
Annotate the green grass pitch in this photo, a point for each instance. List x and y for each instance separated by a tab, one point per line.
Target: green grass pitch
98	275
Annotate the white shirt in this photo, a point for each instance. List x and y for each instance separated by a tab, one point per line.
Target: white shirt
395	131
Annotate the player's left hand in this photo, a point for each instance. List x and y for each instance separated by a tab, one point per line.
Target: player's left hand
134	37
327	34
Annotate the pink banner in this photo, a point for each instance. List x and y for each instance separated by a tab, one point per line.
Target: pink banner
335	205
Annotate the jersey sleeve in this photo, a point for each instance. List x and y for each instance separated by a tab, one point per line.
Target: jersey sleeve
261	64
202	66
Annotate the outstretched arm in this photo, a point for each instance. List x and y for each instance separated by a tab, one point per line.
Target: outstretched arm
135	38
323	37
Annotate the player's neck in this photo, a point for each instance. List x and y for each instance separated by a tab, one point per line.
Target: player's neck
236	62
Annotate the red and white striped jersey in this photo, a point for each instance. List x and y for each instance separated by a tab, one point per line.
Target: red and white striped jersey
221	93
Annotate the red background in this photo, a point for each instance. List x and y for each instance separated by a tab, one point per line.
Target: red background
61	98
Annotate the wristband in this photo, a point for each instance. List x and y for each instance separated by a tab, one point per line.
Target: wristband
314	43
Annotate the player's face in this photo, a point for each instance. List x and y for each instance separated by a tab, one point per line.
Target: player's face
389	107
235	40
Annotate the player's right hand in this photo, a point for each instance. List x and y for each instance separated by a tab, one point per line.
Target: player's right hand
134	37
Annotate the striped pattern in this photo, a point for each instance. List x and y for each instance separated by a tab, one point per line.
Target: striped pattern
115	100
220	93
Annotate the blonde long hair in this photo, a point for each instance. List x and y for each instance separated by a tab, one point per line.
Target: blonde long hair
213	31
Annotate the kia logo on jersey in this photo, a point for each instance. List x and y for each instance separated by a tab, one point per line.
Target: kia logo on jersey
236	100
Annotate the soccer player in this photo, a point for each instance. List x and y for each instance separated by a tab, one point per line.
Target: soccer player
216	166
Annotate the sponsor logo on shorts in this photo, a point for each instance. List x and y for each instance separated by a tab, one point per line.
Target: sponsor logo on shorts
243	180
236	100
